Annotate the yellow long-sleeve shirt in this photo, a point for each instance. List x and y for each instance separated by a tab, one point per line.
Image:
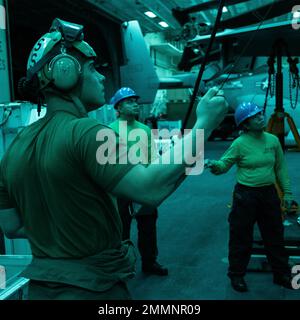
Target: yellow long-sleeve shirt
260	162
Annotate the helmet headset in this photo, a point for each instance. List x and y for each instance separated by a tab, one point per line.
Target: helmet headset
49	62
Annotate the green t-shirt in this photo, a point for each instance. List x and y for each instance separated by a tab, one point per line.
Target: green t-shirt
260	162
145	146
51	176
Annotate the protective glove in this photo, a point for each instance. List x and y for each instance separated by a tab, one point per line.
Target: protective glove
212	166
287	204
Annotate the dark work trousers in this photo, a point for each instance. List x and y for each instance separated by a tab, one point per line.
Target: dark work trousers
261	205
146	224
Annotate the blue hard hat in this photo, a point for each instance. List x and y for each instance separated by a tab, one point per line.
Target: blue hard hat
122	94
246	110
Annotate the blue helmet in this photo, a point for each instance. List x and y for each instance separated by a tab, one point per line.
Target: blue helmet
246	110
122	94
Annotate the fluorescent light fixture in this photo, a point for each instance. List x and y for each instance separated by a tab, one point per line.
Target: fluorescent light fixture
2	18
224	9
150	14
163	24
296	15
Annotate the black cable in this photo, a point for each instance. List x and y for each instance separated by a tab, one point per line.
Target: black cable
201	71
202	68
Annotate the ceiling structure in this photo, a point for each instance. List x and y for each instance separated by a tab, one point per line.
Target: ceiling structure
126	10
34	17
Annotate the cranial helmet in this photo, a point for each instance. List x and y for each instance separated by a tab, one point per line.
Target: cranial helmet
50	61
122	94
246	110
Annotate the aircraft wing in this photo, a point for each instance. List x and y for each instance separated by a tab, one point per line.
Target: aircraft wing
263	39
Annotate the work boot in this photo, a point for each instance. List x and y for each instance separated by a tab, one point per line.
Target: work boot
283	280
154	268
238	283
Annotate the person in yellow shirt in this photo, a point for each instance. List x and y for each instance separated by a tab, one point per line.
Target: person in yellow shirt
125	102
260	163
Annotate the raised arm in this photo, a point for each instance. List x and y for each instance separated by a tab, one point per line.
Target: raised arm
151	185
229	158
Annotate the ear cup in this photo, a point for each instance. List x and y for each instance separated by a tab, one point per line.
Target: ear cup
64	71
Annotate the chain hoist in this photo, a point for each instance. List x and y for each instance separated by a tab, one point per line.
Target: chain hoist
293	81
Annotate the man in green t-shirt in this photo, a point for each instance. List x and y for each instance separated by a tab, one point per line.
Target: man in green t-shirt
125	102
59	190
